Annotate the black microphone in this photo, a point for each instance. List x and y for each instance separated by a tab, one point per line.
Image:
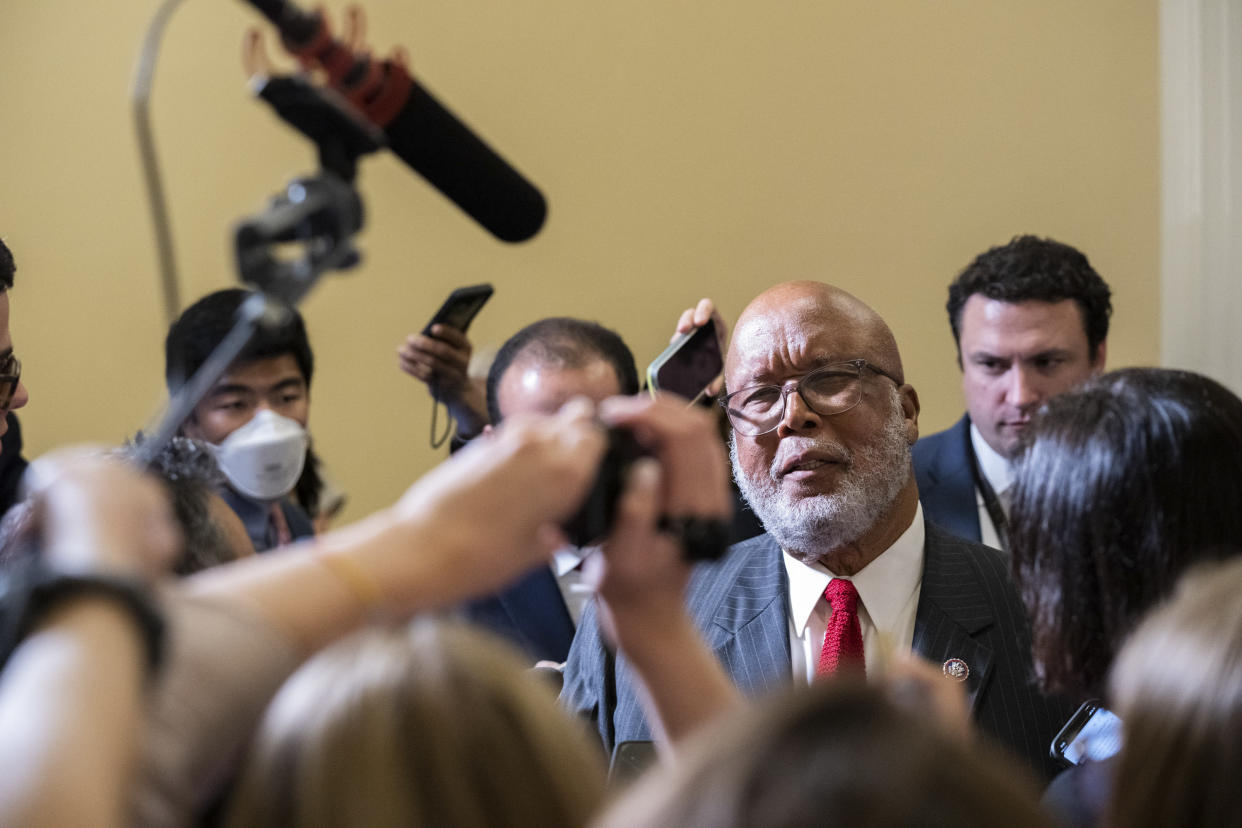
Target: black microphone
420	130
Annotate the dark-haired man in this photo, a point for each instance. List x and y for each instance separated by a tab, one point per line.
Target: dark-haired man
1030	320
255	414
537	370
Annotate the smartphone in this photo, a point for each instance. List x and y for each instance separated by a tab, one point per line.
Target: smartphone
630	759
688	365
460	308
1092	734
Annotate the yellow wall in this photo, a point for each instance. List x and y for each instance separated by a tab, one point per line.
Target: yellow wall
686	149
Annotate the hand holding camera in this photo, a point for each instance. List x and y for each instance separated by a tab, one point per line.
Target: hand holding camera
695	506
671	508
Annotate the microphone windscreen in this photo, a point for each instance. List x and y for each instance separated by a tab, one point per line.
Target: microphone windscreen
457	163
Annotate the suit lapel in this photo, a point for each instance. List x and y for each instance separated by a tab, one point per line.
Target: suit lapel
740	604
948	491
952	612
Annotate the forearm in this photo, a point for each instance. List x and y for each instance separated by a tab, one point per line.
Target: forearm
319	590
70	708
467	528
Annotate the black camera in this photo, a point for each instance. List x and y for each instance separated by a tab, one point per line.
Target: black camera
701	539
594	517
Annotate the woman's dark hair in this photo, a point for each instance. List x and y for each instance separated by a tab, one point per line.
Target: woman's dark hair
1121	485
190	475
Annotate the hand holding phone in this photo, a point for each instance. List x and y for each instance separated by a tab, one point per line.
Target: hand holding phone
689	365
1092	734
460	308
440	357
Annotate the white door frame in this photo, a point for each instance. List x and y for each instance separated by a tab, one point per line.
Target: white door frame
1201	221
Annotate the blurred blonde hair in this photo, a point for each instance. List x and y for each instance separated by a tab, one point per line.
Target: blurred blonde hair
434	724
837	753
1177	686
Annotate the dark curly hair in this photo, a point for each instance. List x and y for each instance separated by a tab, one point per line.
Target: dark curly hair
1031	268
1121	485
190	474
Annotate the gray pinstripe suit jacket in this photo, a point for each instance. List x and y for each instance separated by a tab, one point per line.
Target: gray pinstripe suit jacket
968	609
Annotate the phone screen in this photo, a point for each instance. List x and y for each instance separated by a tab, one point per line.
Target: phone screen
689	364
459	310
1093	734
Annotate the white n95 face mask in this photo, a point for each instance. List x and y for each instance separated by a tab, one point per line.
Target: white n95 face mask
264	458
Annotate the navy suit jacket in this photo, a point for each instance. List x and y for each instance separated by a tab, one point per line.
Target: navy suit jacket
968	609
531	614
944	467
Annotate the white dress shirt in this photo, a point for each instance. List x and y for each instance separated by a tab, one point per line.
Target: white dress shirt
888	597
998	471
567	567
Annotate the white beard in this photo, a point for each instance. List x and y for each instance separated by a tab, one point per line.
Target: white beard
811	527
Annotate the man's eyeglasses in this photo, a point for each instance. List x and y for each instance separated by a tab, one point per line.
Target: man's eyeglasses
832	389
10	378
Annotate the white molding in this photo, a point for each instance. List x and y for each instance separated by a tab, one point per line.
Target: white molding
1201	213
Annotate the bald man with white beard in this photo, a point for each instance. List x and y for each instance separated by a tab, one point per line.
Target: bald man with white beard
823	421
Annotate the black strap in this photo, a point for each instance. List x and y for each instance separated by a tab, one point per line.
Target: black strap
990	500
29	594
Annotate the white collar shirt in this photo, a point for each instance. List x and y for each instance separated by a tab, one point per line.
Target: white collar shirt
567	567
998	471
888	591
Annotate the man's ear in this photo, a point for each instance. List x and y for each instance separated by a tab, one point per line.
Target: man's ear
910	409
1101	354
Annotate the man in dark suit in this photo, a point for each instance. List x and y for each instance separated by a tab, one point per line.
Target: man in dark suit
823	423
537	370
1030	320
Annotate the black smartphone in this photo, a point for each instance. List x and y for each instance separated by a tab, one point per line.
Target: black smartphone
460	308
458	311
630	759
688	365
1092	734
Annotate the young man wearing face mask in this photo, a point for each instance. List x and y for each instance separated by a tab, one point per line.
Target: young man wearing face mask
255	415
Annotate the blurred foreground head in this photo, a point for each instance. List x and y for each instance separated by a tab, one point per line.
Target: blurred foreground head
432	724
212	534
1121	486
834	754
1178	688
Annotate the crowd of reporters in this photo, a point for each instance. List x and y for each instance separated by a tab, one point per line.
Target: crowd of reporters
159	672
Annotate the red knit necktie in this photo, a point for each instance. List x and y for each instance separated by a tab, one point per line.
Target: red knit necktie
843	645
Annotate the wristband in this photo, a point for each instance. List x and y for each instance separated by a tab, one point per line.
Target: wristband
31	594
702	539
